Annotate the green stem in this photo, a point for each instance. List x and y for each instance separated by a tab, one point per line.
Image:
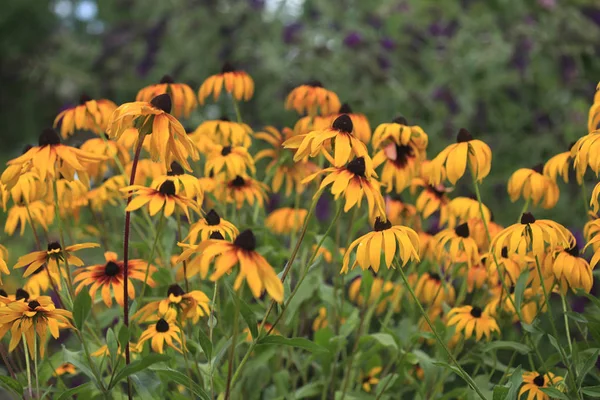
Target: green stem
152	251
232	352
568	330
180	238
236	107
211	324
524	209
29	386
35	363
461	371
62	242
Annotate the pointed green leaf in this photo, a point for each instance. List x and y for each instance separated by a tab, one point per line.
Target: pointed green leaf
301	343
81	308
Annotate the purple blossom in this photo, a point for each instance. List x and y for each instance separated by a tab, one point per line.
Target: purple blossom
592	13
257	4
444	95
323	209
384	62
353	39
387	43
291	32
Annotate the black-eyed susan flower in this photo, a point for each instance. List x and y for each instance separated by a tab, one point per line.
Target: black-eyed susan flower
233	160
532	235
511	265
533	382
184	98
502	301
312	98
572	271
401	133
286	220
354	183
211	222
401	213
400	165
254	268
221	131
433	290
68	193
310	123
27	188
285	170
585	153
384	293
65	368
559	165
18	216
534	186
39	282
51	158
52	256
231	80
103	350
25	318
147	171
168	140
455	244
478	230
362	129
243	189
462	209
477	277
111	273
164	330
385	240
320	321
346	145
469	319
90	115
165	198
454	159
192	304
195	259
432	199
369	378
186	183
113	152
594	113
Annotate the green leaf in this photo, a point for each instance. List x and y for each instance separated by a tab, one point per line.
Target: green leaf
10	384
311	390
124	336
500	393
515	383
555	393
577	317
76	359
506	345
172	375
386	340
520	289
592	391
68	394
138	366
205	343
387	382
81	308
113	345
301	343
589	363
246	312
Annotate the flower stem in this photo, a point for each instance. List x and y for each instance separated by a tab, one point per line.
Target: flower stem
232	351
6	361
180	238
62	241
35	363
28	366
236	107
211	325
151	257
461	371
564	306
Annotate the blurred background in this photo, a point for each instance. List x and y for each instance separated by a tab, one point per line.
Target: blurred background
518	74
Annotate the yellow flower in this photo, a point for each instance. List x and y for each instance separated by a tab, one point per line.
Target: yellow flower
66	368
39	282
399	132
387	239
400	213
184	98
19	216
585	153
559	165
188	184
533	235
432	199
223	132
110	150
320	321
28	187
354	183
456	243
594	200
104	352
243	189
164	330
234	160
453	159
90	115
259	275
52	256
532	185
25	318
468	319
235	82
534	381
168	139
147	170
312	98
196	264
572	271
286	220
51	158
362	130
111	273
211	223
512	265
3	258
462	209
165	198
477	276
369	379
194	304
391	294
400	165
432	290
311	123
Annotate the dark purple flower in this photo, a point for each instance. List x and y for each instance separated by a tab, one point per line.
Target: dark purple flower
444	95
353	39
291	32
568	69
374	21
592	13
387	43
274	201
322	211
520	59
384	62
257	4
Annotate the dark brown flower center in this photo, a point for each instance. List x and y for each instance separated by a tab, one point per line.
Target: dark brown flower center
357	167
167	188
176	169
227	67
21	294
343	123
400	120
33	304
53	246
162	102
111	268
574	251
462	230
504	252
403	153
216	235
539	168
167	79
224	118
162	326
212	218
314	83
435	276
437	191
26	148
476	312
539	380
226	151
84	98
345	109
527	218
3	293
175	290
48	137
381	225
245	240
238	182
463	136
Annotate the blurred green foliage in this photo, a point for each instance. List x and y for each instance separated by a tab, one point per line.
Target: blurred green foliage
519	75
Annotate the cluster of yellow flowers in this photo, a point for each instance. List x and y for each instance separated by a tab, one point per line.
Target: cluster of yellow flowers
143	159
